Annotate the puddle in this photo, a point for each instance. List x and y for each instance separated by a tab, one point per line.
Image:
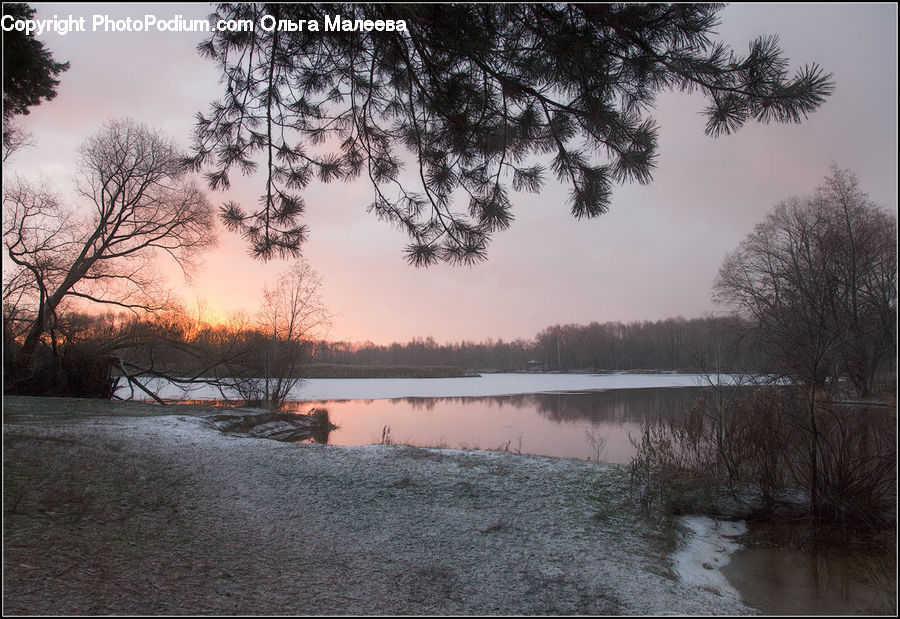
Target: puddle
785	581
779	581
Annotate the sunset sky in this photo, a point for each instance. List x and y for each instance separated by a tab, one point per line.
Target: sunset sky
654	255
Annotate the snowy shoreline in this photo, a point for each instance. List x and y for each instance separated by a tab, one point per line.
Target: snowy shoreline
707	548
375	529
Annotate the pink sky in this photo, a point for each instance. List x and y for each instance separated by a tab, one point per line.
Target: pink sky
654	255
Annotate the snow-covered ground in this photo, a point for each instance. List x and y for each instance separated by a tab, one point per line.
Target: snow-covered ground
312	529
484	385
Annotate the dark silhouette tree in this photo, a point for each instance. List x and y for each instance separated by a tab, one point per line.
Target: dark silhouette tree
290	319
144	209
29	74
444	115
818	280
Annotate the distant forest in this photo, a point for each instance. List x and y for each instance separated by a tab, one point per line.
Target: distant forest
706	344
178	345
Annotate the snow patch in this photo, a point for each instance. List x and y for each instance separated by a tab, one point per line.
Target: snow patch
708	547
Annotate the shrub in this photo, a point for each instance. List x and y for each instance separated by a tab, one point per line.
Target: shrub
758	444
75	371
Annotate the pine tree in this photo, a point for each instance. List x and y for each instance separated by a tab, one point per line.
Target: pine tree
29	71
466	101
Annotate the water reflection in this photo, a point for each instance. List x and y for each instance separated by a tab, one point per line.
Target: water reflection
782	581
551	424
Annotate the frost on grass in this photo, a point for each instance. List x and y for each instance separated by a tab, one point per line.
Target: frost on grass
253	526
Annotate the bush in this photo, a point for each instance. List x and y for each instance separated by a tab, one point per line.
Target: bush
76	371
759	445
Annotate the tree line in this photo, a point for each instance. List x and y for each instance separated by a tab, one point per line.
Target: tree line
708	344
176	343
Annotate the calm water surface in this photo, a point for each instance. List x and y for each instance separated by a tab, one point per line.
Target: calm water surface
600	425
566	425
782	581
560	415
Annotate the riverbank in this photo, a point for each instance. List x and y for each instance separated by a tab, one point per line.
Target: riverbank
164	515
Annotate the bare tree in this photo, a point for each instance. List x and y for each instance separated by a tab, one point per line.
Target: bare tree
291	320
15	138
862	241
144	209
818	280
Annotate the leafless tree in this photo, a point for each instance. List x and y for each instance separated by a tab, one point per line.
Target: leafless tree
291	320
143	209
817	278
15	138
862	240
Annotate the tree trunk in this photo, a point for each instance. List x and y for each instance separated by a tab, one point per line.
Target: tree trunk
813	454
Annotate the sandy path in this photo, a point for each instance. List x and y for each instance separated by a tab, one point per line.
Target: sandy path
161	515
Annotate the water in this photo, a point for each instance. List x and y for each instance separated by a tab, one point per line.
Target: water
784	581
585	425
599	425
321	389
584	416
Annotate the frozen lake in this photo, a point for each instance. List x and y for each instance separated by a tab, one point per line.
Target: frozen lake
319	389
486	385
